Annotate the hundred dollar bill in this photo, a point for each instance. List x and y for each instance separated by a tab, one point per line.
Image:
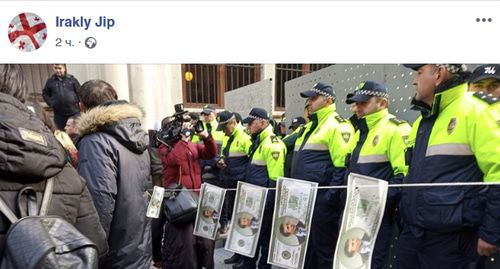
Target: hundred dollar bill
364	209
154	207
247	215
293	209
209	208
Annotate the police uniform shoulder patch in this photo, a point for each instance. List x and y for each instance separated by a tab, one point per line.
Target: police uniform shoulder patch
485	97
339	118
346	136
397	121
274	139
275	154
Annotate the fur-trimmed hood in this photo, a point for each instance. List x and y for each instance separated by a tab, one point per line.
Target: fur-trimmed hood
118	119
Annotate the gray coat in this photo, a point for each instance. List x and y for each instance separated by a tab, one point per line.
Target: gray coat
29	154
115	162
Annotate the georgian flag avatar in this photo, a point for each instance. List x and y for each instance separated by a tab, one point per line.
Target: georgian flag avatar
27	32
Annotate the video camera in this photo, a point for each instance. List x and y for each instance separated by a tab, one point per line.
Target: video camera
171	127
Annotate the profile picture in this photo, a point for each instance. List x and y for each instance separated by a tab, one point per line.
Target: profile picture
291	231
209	214
355	248
246	224
27	32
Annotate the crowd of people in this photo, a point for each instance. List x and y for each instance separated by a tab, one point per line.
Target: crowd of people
103	159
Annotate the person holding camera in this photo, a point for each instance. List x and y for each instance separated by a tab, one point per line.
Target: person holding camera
181	163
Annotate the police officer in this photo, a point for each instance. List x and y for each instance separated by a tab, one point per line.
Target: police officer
267	159
297	127
485	82
319	156
379	153
233	163
296	123
486	79
210	172
446	227
209	119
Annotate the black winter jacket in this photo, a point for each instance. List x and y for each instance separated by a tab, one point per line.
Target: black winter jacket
29	154
115	162
62	94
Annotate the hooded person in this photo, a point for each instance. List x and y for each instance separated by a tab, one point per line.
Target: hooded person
114	159
30	154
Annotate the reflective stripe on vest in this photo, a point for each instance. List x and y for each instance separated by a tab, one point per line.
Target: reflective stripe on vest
449	149
382	158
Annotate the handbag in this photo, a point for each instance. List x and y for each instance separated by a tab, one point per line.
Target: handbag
181	204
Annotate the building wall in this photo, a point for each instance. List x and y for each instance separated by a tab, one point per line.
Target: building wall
155	88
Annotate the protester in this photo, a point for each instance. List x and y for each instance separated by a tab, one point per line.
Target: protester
115	162
30	155
71	129
181	249
61	94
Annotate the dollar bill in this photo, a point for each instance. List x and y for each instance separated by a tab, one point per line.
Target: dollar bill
245	227
154	207
293	209
209	209
364	209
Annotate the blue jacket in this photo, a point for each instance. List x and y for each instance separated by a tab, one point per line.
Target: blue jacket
380	152
267	159
115	163
448	143
321	150
235	152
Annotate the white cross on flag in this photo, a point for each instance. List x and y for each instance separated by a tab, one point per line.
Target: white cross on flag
27	32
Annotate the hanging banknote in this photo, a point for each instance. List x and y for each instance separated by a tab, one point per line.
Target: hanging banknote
154	207
293	209
364	209
247	215
209	208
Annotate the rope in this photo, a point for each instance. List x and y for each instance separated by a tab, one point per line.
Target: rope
412	185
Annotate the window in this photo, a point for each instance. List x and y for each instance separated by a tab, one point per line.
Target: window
201	86
206	83
239	75
286	72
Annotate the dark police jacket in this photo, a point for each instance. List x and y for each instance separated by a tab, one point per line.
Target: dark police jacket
449	144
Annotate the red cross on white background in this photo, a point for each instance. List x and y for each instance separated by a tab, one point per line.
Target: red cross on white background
27	30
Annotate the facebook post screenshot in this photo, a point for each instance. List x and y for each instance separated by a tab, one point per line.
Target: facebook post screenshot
250	134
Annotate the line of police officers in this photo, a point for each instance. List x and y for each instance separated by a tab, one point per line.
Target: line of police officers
456	139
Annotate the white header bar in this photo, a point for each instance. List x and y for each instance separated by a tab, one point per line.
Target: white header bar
259	32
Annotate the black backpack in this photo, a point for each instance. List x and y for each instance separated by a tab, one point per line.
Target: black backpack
40	241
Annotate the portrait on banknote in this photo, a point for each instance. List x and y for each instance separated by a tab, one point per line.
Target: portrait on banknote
365	204
247	215
209	208
293	210
154	206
